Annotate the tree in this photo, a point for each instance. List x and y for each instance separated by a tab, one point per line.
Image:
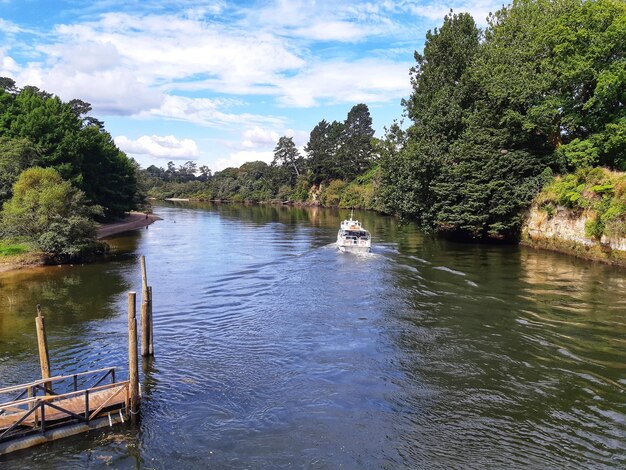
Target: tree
8	84
322	148
105	174
171	170
82	153
16	155
50	211
287	155
587	64
439	98
187	171
412	164
205	173
80	109
356	152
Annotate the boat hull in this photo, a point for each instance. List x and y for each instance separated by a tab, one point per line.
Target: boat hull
354	248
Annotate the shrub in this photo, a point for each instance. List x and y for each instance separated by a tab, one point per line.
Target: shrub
52	213
597	190
330	195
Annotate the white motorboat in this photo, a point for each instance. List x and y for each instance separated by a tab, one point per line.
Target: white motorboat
353	238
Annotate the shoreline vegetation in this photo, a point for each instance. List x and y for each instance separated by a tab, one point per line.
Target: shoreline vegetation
528	109
28	257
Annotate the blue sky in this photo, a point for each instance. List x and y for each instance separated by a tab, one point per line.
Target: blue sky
219	82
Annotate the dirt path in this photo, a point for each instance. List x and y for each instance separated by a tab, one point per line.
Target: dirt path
133	221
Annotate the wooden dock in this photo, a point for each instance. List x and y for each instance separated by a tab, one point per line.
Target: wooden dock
57	407
35	415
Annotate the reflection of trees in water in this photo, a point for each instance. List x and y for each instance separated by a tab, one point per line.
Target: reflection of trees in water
123	244
69	295
264	214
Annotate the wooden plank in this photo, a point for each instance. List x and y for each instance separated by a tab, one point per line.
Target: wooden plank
99	399
62	395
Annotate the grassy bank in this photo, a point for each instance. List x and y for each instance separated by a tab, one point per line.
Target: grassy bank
17	254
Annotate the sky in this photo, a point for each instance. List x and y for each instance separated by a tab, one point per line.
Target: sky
218	82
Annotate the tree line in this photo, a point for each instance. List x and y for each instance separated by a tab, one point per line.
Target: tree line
493	115
59	171
336	154
496	112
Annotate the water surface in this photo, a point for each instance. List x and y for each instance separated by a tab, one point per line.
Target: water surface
273	350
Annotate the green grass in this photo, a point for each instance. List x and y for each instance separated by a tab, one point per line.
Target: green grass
8	248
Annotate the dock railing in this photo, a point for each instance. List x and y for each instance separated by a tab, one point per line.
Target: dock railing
36	412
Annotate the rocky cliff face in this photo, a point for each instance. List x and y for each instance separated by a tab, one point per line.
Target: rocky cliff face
564	231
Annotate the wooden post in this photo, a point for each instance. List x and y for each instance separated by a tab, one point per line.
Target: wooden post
145	329
133	362
146	313
42	343
150	323
144	280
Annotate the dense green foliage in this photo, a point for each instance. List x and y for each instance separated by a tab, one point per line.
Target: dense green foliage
38	129
51	212
59	169
494	112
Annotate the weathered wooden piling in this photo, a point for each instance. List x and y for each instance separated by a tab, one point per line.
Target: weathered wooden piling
144	279
42	343
145	329
150	323
133	361
147	348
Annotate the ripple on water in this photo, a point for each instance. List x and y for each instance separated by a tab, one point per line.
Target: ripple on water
274	350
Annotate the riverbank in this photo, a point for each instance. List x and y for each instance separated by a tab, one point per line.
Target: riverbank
133	221
21	261
563	231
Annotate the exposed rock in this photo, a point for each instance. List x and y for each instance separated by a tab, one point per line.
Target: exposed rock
564	231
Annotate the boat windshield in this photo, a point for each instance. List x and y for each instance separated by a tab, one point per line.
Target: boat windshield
356	233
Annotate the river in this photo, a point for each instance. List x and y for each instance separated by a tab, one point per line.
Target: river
273	350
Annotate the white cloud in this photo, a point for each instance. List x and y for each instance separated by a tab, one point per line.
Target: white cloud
437	9
325	20
166	147
124	64
367	81
9	27
111	92
172	48
259	138
204	112
8	66
86	57
236	159
201	11
333	31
